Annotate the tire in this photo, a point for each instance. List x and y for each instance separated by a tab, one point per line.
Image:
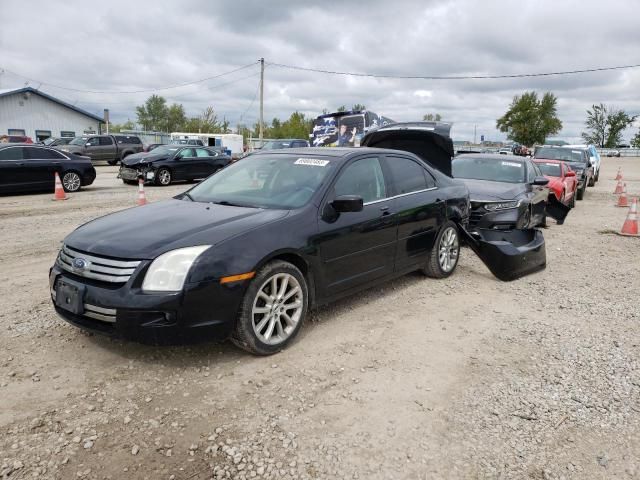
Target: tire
445	253
112	162
597	177
580	194
163	177
254	330
592	182
573	200
71	181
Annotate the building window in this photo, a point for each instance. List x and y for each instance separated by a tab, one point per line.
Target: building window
42	135
67	133
17	131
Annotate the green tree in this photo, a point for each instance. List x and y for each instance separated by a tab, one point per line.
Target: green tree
635	141
153	114
176	118
430	117
529	120
605	125
358	107
341	108
119	127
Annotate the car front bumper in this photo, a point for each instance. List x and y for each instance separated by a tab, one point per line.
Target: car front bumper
506	219
133	174
204	311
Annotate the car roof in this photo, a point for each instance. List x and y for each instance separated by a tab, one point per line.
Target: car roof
547	160
336	152
493	156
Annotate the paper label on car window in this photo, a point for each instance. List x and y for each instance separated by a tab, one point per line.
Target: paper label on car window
312	162
511	164
576	151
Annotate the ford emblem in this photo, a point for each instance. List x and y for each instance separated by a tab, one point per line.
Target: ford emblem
79	264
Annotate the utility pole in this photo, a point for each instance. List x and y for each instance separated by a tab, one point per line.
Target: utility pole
474	134
261	99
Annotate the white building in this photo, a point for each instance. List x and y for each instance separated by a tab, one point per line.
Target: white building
30	112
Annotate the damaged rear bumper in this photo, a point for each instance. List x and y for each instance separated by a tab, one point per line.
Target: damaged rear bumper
509	254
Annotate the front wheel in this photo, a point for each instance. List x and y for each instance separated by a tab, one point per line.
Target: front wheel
112	162
163	177
444	255
71	182
273	309
580	193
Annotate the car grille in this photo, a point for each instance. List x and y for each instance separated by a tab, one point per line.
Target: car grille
95	267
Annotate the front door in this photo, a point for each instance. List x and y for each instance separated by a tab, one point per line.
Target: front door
186	165
357	247
41	165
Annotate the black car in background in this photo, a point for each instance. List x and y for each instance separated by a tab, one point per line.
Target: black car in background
166	164
285	143
247	252
507	192
30	168
577	158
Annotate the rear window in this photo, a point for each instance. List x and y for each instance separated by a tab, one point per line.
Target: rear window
14	153
560	153
128	139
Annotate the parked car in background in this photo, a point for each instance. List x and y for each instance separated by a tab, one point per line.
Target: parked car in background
613	153
577	158
15	139
246	256
562	180
506	193
169	163
152	146
110	148
187	141
285	143
29	167
55	142
505	151
594	155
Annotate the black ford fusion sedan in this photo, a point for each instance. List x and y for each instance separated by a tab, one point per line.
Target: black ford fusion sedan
246	253
507	192
31	168
168	163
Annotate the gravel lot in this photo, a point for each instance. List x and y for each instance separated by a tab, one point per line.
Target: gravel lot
466	377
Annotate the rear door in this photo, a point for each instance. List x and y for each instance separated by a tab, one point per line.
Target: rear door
206	163
357	247
107	148
12	170
41	165
185	167
419	209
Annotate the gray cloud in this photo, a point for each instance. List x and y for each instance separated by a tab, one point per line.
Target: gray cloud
144	45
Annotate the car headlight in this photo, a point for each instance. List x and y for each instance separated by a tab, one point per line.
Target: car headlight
168	272
492	207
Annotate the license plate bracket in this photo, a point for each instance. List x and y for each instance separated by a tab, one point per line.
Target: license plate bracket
70	296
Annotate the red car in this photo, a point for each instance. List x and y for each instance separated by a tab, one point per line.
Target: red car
562	180
15	139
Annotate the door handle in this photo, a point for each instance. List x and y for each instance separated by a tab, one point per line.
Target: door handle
385	210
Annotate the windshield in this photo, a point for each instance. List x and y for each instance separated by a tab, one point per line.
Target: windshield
557	153
78	141
276	145
551	169
165	150
495	170
48	141
265	181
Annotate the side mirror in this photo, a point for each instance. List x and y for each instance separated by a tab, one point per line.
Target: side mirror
348	203
570	173
540	181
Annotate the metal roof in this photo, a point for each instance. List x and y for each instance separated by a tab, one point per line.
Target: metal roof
12	91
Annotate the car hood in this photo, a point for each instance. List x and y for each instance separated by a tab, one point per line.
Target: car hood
146	232
142	157
493	191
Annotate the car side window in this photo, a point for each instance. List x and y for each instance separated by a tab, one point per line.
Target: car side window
92	142
14	153
201	152
364	178
106	141
537	171
35	153
407	175
187	153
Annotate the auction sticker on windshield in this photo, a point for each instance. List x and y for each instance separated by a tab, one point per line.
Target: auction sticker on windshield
511	164
313	162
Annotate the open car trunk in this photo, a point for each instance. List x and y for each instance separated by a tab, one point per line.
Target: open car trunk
509	254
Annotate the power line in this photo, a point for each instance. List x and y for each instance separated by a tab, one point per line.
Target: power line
251	104
451	77
134	91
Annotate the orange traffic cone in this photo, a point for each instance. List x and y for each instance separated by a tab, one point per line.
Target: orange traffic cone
630	226
618	189
59	191
622	199
142	199
619	175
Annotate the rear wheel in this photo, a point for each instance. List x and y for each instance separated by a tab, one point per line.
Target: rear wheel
273	309
444	255
71	182
592	181
580	194
113	162
163	177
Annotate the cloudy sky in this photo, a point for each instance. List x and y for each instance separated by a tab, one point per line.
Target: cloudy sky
131	46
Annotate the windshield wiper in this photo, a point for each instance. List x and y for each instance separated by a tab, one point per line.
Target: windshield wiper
185	194
228	204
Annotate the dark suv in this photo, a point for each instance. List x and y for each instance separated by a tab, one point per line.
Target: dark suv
111	148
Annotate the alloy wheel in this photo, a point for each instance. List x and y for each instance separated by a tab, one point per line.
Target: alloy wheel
448	249
164	177
277	309
71	181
